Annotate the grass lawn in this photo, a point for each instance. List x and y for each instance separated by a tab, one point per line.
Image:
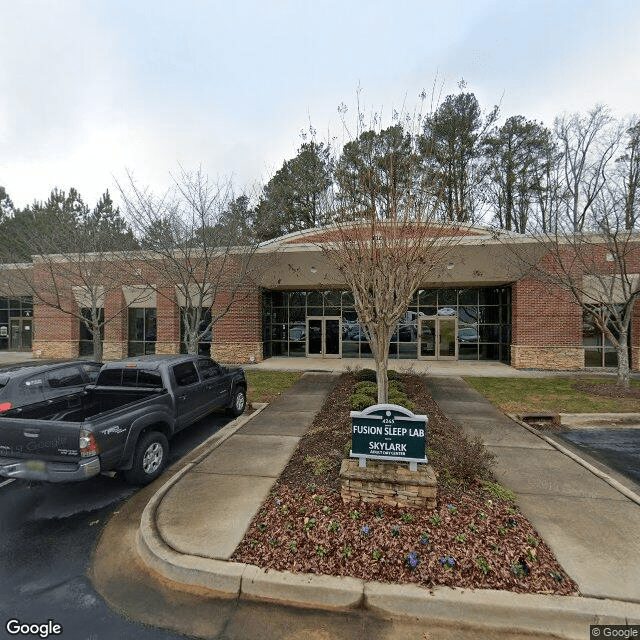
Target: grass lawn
265	386
520	395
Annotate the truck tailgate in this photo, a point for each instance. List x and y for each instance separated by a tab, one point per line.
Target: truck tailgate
45	440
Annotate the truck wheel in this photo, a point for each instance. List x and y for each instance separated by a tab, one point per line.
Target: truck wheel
149	459
239	402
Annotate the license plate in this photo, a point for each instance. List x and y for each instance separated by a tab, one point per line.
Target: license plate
36	465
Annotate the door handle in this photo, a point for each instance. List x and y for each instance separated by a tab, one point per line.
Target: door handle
182	397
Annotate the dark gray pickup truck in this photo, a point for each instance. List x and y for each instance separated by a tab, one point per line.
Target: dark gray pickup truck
122	422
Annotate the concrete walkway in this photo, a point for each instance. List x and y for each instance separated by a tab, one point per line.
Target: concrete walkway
593	529
230	483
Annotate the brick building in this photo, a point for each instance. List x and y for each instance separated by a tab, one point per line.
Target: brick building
479	306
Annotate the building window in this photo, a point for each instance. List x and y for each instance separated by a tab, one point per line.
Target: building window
204	345
483	321
86	338
16	323
142	331
598	349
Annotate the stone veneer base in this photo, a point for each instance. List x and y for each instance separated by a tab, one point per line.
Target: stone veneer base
388	483
560	358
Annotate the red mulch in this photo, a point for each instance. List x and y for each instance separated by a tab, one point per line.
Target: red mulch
305	527
607	390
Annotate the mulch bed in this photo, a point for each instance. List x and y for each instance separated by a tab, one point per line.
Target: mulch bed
472	539
607	390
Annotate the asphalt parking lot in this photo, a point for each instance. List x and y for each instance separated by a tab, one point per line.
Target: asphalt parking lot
618	448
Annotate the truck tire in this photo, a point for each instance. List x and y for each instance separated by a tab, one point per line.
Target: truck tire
149	458
239	402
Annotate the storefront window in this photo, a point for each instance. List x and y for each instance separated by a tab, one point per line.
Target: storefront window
16	323
483	321
142	331
599	351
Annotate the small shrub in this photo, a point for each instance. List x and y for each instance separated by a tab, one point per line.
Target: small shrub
262	527
396	397
284	509
360	401
435	520
346	552
318	499
309	524
483	565
354	514
520	569
367	388
395	531
392	375
498	491
326	510
412	560
396	386
321	466
366	375
407	518
376	554
321	552
460	537
534	542
378	512
334	525
473	527
346	450
424	538
293	546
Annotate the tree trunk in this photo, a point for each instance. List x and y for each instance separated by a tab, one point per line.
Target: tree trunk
380	348
191	342
623	360
97	343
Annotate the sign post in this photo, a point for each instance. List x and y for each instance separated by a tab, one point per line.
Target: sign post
388	432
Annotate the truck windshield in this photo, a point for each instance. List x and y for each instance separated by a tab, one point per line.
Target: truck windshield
130	378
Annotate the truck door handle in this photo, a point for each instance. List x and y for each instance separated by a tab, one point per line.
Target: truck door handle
182	397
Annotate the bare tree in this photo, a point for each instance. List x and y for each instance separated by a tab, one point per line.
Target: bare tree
72	268
587	144
198	247
599	267
385	242
628	172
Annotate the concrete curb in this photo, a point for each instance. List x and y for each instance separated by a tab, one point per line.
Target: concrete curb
564	616
600	420
634	497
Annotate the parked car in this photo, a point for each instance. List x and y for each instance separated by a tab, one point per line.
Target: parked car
468	334
29	383
121	422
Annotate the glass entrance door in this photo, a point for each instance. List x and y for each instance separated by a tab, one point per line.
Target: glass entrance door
437	338
324	337
20	334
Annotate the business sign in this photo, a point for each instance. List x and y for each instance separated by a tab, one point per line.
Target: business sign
388	432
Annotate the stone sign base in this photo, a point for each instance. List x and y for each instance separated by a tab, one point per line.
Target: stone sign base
388	482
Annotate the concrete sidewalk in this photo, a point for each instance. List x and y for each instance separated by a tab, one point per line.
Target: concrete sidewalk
191	526
593	529
229	484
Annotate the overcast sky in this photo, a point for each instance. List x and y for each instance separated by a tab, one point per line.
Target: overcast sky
91	88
